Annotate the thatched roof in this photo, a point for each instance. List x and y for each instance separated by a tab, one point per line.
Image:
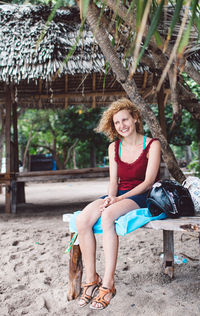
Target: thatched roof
20	29
38	69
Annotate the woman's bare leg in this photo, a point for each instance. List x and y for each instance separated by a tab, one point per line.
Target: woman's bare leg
85	221
110	240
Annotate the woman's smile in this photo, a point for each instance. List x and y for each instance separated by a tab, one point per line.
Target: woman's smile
124	130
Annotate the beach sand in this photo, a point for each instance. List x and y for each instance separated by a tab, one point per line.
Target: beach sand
34	265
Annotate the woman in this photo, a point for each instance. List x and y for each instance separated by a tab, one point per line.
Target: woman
134	162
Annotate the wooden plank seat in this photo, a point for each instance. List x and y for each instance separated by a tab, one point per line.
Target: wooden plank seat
50	175
168	226
54	175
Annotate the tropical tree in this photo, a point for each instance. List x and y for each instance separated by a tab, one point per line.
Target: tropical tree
169	33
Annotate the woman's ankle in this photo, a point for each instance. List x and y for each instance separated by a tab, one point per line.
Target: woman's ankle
91	277
108	284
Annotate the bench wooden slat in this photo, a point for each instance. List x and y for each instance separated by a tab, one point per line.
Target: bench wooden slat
189	224
61	172
48	175
186	224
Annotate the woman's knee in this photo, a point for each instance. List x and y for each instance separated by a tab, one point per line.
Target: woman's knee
81	222
107	220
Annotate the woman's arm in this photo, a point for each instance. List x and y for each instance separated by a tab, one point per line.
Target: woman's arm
153	166
113	182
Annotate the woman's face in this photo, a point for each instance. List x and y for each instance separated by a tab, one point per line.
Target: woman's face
124	123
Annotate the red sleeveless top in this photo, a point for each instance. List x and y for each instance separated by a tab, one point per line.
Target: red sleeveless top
132	174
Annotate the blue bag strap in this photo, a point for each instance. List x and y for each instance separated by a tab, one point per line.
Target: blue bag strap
144	142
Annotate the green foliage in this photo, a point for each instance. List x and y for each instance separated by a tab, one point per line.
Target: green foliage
195	87
57	131
184	134
194	167
155	17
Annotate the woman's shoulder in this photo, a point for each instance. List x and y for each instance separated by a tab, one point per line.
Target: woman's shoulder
111	147
114	144
152	141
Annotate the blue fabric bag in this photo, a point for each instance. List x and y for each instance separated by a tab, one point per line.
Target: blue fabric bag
125	224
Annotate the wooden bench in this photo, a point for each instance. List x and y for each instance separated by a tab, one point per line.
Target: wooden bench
168	226
15	182
62	175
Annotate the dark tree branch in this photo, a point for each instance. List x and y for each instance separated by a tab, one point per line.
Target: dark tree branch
177	110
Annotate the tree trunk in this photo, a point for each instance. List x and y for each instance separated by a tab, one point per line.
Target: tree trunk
74	158
188	154
27	147
131	90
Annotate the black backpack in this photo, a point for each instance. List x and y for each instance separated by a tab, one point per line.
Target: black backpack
170	197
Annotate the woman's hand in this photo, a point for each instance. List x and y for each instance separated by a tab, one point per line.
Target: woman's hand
109	200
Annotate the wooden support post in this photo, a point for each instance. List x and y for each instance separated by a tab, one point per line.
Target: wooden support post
145	77
168	249
75	272
19	187
8	147
15	137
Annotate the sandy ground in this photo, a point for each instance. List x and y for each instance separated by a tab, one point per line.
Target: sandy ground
34	266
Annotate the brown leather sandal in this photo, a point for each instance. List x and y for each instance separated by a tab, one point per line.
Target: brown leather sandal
100	298
85	297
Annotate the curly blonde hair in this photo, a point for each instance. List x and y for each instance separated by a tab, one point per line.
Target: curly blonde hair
106	124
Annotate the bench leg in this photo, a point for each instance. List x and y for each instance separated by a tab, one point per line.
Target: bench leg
75	272
21	192
168	249
13	196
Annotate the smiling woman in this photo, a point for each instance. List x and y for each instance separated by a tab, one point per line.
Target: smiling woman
134	161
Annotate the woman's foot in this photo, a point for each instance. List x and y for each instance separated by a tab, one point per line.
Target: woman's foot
89	290
102	300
